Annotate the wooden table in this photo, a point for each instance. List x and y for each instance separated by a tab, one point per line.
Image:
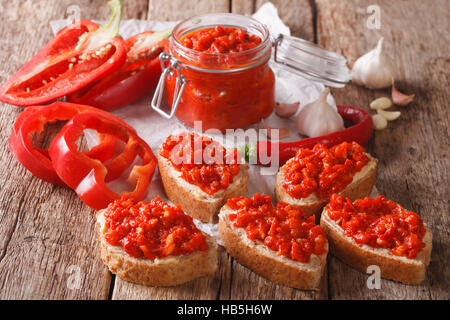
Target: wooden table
48	246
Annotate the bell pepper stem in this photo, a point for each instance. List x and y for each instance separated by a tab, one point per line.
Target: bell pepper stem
112	26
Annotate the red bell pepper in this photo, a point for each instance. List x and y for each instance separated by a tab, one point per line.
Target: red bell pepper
86	175
360	132
136	78
78	55
36	160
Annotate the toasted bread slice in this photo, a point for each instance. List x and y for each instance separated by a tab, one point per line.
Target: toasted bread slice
401	269
265	261
168	271
360	187
192	198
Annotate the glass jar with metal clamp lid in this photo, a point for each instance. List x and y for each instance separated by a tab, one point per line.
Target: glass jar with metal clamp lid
223	77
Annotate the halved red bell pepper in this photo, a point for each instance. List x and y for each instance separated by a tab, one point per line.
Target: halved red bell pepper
360	132
86	175
136	78
78	55
36	160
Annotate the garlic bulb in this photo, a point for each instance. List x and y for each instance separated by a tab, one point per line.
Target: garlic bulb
318	118
374	70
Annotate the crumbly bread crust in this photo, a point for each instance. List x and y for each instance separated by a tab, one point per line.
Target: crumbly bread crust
266	262
401	269
169	271
360	187
194	200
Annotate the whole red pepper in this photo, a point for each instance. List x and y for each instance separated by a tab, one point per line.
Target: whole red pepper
360	132
86	175
78	55
137	77
36	160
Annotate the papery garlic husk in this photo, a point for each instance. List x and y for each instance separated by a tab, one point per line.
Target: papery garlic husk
400	99
318	118
373	70
282	132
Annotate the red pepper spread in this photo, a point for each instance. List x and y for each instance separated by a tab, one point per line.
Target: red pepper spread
282	228
379	223
323	170
220	40
201	161
152	230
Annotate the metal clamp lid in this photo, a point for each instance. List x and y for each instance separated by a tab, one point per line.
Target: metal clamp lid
179	86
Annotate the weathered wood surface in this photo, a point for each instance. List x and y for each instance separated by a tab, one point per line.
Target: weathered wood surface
414	150
47	235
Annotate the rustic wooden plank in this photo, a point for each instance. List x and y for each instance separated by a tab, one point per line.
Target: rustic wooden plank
48	247
202	288
296	14
245	284
182	9
413	151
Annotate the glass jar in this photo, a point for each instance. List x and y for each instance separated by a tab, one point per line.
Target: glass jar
236	89
223	90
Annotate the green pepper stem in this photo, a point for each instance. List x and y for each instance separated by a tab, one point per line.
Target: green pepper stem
112	26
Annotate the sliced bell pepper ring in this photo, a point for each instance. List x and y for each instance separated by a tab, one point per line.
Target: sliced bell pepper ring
360	132
78	55
86	175
37	160
136	78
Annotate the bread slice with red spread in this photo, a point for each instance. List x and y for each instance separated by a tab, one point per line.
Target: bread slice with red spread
402	268
283	265
360	186
167	270
200	204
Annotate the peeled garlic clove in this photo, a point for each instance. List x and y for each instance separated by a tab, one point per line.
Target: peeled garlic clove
399	98
379	122
389	115
286	110
381	103
318	118
373	70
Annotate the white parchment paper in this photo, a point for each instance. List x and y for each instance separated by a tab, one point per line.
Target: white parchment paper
154	129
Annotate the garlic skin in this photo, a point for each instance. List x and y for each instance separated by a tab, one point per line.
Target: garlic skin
373	70
400	99
318	118
282	132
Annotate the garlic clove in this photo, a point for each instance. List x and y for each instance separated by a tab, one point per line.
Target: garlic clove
379	122
318	118
286	110
381	103
374	69
389	115
282	132
399	98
